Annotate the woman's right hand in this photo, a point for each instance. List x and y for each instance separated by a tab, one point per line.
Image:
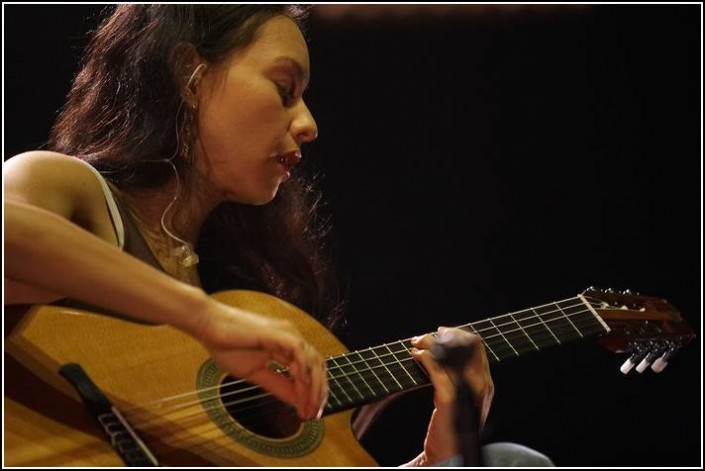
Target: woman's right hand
245	344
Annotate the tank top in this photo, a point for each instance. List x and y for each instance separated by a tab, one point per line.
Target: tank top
129	238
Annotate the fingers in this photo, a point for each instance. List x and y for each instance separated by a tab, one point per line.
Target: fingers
310	379
276	383
442	384
476	372
245	344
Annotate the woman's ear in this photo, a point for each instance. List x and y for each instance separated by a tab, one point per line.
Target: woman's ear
189	91
188	68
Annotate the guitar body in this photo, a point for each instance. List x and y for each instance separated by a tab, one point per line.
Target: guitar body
137	367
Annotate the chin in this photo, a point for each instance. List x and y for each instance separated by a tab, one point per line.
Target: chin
261	200
255	198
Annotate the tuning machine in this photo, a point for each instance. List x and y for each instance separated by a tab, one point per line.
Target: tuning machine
639	354
661	363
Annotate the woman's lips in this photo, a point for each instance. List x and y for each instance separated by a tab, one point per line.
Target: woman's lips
290	159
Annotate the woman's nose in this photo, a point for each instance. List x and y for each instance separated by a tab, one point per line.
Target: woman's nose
304	127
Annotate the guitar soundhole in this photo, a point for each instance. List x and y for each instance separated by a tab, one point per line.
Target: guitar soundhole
256	410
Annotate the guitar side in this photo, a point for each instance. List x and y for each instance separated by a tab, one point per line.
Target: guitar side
134	365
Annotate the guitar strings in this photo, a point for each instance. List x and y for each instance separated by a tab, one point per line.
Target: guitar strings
332	375
262	411
397	364
486	339
264	408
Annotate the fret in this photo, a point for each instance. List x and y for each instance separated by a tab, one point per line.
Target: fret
411	370
402	374
540	334
568	319
414	369
332	396
336	382
515	333
557	323
489	338
363	370
353	375
334	387
494	340
383	356
583	318
382	361
504	337
377	370
472	329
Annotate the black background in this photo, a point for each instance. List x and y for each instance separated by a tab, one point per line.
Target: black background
482	162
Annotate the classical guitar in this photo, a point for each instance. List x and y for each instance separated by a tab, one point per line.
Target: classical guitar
83	389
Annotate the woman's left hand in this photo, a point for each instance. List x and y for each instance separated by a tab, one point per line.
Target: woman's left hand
441	443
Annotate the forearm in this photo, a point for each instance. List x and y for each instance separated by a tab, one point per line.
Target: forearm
46	251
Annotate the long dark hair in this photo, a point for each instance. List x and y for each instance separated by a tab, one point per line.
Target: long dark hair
121	115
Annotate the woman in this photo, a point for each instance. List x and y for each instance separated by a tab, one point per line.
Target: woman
174	170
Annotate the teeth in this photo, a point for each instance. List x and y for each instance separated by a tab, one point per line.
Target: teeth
289	159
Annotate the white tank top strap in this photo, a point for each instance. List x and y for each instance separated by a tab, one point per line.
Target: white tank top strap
112	206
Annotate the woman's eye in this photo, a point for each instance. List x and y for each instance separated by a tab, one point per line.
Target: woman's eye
287	94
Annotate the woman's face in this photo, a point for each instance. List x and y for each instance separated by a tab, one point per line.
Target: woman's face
252	117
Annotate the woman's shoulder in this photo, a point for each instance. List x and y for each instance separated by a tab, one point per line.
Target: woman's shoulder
46	169
57	182
43	161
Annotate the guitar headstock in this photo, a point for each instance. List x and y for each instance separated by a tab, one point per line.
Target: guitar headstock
650	329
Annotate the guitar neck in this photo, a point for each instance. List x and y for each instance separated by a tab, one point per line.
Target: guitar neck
365	376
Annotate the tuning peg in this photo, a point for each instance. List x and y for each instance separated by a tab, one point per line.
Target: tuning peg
632	361
641	367
610	291
661	363
628	292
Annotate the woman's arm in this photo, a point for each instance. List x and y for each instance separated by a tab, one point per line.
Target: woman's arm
44	249
441	445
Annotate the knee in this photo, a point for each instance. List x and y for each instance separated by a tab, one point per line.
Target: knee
507	454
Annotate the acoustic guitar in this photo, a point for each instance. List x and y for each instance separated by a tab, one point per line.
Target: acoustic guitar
84	389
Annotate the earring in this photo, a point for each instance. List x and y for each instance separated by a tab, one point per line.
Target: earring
187	125
187	135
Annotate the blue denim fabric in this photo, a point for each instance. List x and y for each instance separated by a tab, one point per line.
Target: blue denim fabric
506	455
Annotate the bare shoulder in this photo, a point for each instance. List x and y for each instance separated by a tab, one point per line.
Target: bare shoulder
57	182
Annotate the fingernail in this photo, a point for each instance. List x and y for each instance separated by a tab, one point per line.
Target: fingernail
323	405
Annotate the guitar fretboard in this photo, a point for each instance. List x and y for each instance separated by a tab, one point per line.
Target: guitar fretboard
365	376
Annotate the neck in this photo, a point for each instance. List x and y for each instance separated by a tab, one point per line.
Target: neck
365	376
186	215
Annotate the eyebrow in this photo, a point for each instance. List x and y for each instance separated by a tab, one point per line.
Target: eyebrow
298	68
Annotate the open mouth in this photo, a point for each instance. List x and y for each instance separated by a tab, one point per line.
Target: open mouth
290	159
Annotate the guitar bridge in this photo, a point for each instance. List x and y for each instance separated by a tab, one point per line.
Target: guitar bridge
123	438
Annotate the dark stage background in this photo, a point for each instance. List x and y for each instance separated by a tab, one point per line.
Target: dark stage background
480	160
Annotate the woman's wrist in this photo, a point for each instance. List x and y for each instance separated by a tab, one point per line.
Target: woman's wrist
194	308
